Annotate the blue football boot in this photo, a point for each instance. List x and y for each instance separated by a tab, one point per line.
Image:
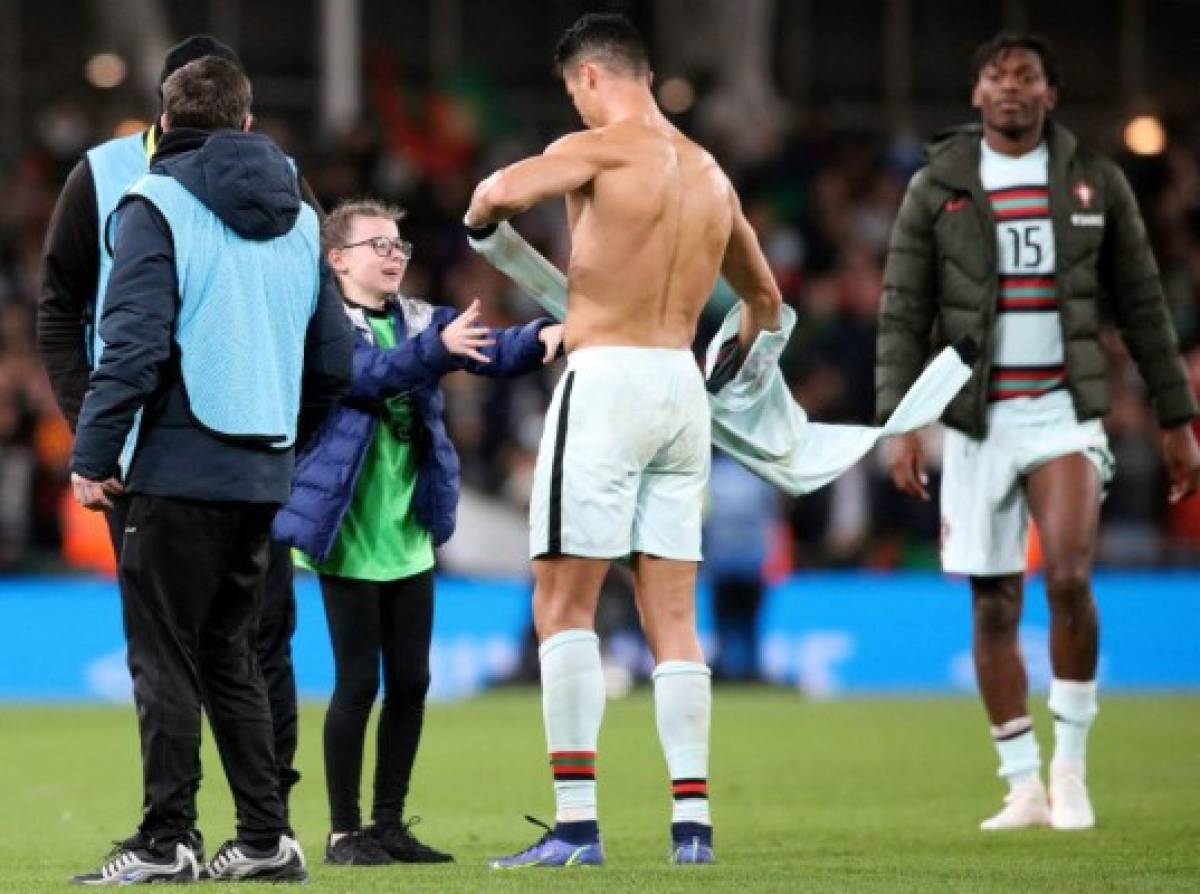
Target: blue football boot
553	849
691	844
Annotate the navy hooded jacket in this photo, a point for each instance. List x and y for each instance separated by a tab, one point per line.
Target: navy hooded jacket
327	471
249	184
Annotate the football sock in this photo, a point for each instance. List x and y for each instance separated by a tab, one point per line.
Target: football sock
1018	750
683	707
579	833
572	706
1074	707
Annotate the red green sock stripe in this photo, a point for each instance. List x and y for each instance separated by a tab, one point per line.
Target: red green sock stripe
683	789
573	765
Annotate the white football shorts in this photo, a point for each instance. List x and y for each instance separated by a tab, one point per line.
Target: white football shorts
624	457
985	518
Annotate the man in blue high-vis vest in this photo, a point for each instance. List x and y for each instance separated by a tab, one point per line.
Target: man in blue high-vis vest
213	319
76	259
76	264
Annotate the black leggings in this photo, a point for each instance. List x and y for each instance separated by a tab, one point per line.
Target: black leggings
368	621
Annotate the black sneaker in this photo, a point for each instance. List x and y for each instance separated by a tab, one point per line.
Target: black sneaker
136	862
237	861
403	847
357	849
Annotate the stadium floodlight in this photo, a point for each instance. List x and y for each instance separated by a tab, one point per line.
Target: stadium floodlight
105	70
1145	135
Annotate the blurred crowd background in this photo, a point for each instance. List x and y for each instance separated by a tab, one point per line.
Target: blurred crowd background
816	110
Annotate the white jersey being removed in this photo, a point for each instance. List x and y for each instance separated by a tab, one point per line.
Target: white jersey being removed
1027	358
754	417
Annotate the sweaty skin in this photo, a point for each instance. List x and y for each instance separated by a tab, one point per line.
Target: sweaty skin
653	221
648	235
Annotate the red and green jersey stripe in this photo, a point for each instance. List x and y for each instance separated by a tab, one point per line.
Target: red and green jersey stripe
1028	294
573	765
1025	381
1018	202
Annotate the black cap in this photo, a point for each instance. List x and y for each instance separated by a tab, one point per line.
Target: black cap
192	48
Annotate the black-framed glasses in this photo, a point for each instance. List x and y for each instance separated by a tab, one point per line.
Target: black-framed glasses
383	246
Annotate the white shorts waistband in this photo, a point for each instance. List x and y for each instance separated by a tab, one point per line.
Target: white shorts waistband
612	356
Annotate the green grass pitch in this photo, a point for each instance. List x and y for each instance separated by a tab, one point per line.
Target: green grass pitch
843	796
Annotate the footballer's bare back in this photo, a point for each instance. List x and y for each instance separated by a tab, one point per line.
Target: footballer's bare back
648	235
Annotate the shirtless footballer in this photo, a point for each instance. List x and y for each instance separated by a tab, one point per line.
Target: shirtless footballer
624	458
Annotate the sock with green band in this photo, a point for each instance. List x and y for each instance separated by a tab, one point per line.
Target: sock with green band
572	707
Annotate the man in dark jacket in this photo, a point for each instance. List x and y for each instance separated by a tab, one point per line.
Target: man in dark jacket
214	315
1012	235
76	266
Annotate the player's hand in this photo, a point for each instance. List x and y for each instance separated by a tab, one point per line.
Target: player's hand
906	459
1182	457
465	336
476	217
755	321
551	337
95	495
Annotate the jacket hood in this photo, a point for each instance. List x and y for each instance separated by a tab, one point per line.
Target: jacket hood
946	141
244	179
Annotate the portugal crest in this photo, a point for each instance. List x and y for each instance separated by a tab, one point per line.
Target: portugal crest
1083	192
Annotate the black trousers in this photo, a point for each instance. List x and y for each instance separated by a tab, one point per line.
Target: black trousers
115	518
273	645
371	625
192	578
736	605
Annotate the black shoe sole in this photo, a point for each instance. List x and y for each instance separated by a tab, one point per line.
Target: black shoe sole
179	878
329	861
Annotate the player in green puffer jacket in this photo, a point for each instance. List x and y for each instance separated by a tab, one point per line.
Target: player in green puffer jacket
1018	237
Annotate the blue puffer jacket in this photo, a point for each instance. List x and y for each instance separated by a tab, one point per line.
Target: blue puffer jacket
328	469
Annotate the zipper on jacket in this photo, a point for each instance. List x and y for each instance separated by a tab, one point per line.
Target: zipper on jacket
1060	281
986	349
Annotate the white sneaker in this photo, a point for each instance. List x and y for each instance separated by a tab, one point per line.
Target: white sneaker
1025	807
237	861
1070	807
131	864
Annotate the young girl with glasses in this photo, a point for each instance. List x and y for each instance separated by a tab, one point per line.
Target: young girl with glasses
374	493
